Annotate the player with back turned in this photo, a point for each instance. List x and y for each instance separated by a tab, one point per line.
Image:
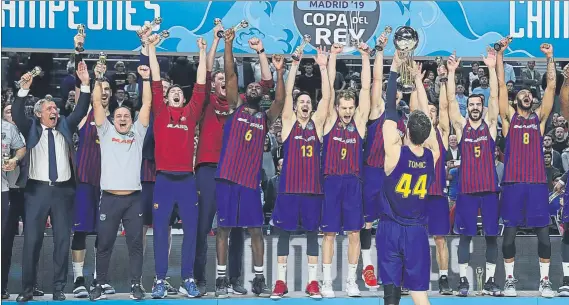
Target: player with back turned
524	186
342	158
402	239
477	180
299	200
238	187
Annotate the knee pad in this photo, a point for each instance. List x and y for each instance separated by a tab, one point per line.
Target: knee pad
391	294
79	241
312	243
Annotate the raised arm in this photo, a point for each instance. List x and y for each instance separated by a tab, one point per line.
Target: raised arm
231	89
211	53
493	111
99	111
19	107
80	111
377	105
319	117
548	97
153	60
288	116
334	51
456	119
362	112
506	111
144	114
391	138
422	98
257	45
277	106
444	121
564	94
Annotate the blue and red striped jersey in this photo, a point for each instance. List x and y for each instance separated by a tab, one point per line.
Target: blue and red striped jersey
148	171
374	154
477	171
523	160
88	155
342	153
439	182
242	149
301	161
405	189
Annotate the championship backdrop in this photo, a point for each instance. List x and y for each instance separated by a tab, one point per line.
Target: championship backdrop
526	271
465	26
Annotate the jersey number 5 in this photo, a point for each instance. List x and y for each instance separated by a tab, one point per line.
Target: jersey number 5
526	138
404	186
477	151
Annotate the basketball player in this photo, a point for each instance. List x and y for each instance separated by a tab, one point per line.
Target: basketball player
238	175
342	210
207	158
401	239
174	128
477	181
299	199
564	288
524	186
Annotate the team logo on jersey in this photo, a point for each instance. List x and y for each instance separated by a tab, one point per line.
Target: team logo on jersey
183	119
258	115
155	206
92	123
310	126
103	217
532	116
482	127
350	127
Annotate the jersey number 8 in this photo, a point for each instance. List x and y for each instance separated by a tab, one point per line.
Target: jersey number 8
403	187
526	138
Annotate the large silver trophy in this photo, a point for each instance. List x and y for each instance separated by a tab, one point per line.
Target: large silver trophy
100	75
406	41
380	45
300	49
80	31
148	26
243	24
36	71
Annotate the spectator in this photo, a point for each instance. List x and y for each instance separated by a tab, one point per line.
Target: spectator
245	73
120	100
8	95
499	165
550	170
308	81
268	163
339	82
68	83
473	75
461	99
69	105
548	147
531	78
510	73
132	86
564	160
118	80
476	83
511	92
272	188
560	139
453	153
483	89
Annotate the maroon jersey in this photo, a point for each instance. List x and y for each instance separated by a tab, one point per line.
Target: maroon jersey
88	154
523	160
301	161
148	173
477	171
439	182
374	153
342	153
242	149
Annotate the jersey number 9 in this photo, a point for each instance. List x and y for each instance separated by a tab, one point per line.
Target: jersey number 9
343	153
403	187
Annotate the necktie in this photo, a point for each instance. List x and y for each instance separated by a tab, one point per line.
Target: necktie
51	155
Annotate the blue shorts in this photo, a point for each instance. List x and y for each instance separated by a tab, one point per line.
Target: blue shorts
86	214
403	255
372	187
439	215
525	205
294	210
342	209
237	205
466	213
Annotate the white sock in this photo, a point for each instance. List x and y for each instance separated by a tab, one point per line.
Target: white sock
327	272
565	268
509	268
543	270
312	272
443	273
462	269
221	270
282	272
95	265
366	257
352	268
259	270
490	270
77	270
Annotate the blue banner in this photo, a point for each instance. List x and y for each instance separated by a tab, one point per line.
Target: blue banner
443	26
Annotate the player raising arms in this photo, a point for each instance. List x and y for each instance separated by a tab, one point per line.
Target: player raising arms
342	210
238	192
401	236
300	189
478	181
524	187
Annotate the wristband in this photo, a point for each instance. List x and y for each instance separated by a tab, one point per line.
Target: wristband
261	51
146	79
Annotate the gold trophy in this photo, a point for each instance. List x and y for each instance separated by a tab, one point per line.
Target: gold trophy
498	45
358	44
217	21
100	75
36	71
148	26
243	24
300	49
380	46
479	280
163	35
5	158
441	70
80	31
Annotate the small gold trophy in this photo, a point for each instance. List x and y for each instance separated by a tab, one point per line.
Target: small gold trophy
100	75
498	45
217	21
300	49
80	31
163	35
441	70
381	45
36	71
148	26
243	24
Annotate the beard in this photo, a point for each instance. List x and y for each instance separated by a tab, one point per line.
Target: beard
254	101
471	117
521	105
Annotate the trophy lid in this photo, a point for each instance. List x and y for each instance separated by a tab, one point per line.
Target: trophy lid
405	38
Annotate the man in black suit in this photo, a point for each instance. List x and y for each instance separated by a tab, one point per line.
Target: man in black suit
47	175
